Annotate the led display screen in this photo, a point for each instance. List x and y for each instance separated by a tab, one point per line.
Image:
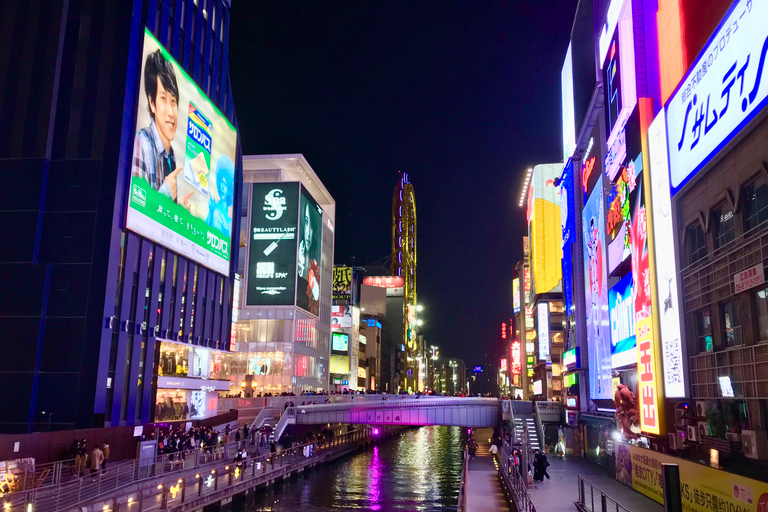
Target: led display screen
308	264
272	252
543	326
182	183
339	364
622	310
515	295
596	295
339	342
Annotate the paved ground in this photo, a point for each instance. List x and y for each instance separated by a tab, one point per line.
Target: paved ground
559	493
484	490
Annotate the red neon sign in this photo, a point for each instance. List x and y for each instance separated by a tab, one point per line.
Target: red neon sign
503	330
517	358
589	166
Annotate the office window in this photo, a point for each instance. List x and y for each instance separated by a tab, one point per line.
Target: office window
755	204
732	322
723	226
697	243
761	308
703	330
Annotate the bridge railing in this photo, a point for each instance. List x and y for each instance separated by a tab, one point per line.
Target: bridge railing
592	499
515	482
395	402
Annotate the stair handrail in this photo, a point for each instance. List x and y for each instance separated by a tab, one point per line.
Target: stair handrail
264	413
288	417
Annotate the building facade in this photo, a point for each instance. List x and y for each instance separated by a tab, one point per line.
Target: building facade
112	257
287	241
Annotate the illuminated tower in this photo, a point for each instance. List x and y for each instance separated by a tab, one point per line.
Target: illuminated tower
404	237
404	265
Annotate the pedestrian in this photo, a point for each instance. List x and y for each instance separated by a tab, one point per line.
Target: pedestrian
105	451
540	466
494	449
472	447
96	459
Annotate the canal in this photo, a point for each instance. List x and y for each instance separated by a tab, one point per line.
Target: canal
419	470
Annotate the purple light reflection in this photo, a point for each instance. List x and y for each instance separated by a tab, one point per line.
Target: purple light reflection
375	472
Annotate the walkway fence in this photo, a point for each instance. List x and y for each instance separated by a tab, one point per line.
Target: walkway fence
463	485
515	482
168	469
592	499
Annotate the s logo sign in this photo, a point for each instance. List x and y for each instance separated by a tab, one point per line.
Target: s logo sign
274	204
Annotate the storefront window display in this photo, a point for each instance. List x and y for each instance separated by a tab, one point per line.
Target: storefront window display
184	404
184	360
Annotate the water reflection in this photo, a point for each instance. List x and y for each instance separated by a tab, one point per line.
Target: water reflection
420	470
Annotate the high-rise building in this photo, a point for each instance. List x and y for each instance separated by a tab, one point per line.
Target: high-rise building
121	123
286	244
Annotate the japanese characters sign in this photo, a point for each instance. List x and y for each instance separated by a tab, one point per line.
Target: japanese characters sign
723	90
749	278
702	488
342	283
517	358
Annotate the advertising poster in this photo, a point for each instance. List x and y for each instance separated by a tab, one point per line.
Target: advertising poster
596	294
342	283
622	311
703	489
272	253
568	232
543	326
339	364
724	89
308	265
544	229
516	295
182	181
666	267
341	317
339	342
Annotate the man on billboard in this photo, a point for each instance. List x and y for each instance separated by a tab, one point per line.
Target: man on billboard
153	157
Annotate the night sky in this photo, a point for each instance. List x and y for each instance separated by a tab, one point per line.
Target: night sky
463	96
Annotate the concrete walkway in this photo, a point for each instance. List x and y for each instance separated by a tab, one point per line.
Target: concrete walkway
560	493
484	490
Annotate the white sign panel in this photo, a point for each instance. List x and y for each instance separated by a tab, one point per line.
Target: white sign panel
537	387
723	90
569	119
543	312
666	267
749	278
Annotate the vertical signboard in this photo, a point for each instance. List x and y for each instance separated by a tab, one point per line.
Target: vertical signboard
308	264
543	326
516	295
569	118
342	283
724	89
272	251
182	184
666	267
568	229
622	311
596	294
517	358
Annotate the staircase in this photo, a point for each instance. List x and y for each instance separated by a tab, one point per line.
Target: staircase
533	433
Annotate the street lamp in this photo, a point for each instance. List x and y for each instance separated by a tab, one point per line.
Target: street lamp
50	415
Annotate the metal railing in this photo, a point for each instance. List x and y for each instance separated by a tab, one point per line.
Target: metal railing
516	483
592	499
463	485
264	414
398	402
121	483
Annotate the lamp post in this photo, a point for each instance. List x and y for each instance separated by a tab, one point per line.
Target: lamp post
50	415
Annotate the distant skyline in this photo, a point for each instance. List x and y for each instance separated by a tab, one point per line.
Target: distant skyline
463	96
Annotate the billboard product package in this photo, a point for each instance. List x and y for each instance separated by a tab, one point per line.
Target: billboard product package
181	188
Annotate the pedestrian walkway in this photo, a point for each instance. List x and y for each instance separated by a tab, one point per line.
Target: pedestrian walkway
560	493
484	490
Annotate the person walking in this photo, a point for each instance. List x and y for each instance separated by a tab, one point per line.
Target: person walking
472	447
96	459
105	451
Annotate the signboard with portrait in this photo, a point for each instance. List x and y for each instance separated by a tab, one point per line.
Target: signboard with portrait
182	184
342	283
272	253
308	264
596	294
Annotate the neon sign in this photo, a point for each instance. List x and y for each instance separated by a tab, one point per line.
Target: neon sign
503	330
589	166
517	358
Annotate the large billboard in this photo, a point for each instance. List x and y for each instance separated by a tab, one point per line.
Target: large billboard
342	283
182	188
310	245
272	254
515	296
724	89
568	231
544	229
542	310
596	294
622	312
393	284
666	268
